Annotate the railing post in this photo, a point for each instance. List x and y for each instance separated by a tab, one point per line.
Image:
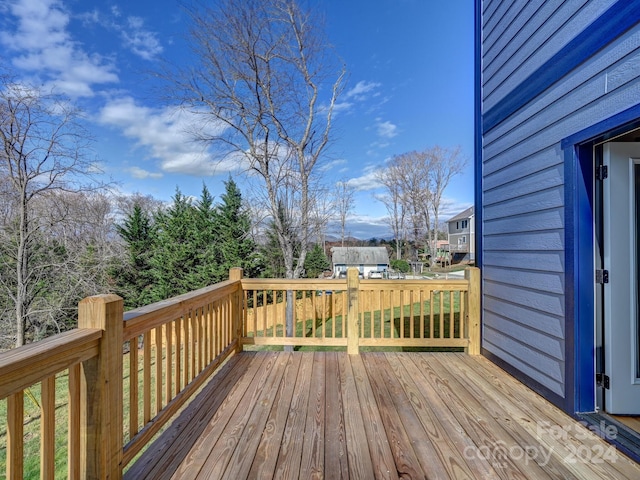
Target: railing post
472	274
101	416
353	314
236	273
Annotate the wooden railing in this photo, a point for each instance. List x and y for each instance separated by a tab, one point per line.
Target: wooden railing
127	374
363	313
174	347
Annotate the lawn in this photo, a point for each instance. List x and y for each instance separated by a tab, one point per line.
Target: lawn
32	422
387	323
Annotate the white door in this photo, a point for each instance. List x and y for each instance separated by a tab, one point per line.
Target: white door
621	196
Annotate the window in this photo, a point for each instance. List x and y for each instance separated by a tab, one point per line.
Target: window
462	240
465	223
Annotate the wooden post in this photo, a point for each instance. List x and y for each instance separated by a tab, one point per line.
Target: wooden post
15	436
101	417
237	314
472	274
353	314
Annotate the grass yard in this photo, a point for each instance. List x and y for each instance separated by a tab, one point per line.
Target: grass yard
387	323
32	421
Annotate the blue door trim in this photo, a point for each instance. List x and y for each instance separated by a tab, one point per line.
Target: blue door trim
579	254
619	18
579	279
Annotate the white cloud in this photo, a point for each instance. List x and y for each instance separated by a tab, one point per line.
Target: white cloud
333	165
367	181
165	134
340	107
44	48
362	90
137	172
142	42
135	37
386	129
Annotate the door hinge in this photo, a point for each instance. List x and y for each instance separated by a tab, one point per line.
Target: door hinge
602	380
602	172
602	276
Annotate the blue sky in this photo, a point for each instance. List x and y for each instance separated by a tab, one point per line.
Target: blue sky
410	86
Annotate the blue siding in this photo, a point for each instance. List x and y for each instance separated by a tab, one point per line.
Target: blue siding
564	44
509	37
548	70
546	261
530	222
540	46
543	370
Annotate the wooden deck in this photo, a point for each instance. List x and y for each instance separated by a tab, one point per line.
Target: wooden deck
375	415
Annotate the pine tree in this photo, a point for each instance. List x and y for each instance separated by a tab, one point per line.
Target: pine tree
134	276
236	248
206	240
175	256
316	262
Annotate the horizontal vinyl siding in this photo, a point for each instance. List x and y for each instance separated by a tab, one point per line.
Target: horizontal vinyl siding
512	188
533	260
544	34
498	20
523	184
512	354
514	38
529	222
610	69
547	282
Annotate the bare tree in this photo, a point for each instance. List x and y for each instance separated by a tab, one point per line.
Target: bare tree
267	82
393	201
322	211
445	164
124	204
415	183
344	204
406	178
43	149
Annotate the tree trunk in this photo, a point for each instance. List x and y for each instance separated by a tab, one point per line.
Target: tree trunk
22	269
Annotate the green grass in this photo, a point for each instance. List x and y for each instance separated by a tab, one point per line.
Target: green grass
397	319
32	430
32	416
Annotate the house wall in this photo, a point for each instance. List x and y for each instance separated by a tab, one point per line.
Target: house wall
532	96
456	231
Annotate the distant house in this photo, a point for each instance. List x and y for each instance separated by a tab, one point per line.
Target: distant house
462	235
366	259
558	200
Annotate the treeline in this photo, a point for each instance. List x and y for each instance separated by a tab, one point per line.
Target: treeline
83	244
186	246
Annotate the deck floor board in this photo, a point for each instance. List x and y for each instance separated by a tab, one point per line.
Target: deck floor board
374	416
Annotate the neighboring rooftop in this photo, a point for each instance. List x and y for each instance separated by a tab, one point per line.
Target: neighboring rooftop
360	256
468	213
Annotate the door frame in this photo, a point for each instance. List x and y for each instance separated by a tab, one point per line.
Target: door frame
580	354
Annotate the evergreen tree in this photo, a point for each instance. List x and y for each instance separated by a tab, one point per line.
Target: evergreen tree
206	240
134	276
316	262
236	248
175	256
